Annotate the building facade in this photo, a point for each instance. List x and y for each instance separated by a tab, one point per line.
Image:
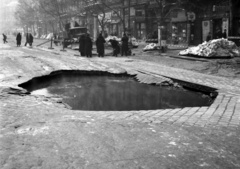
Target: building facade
186	23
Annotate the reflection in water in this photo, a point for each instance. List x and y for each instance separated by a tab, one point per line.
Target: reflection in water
115	93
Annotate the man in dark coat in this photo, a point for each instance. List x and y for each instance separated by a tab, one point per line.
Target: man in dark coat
88	46
124	44
82	45
4	38
100	45
29	39
19	39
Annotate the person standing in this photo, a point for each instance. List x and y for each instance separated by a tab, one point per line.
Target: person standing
88	46
29	39
82	45
4	38
19	39
100	45
124	44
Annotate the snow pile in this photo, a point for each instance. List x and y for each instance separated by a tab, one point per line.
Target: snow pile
216	47
107	39
112	37
134	42
151	46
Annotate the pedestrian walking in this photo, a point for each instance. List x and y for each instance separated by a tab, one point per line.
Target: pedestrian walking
88	46
124	45
19	39
4	38
82	45
29	39
100	45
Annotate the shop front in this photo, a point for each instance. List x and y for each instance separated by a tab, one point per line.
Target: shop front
178	28
216	21
140	22
140	32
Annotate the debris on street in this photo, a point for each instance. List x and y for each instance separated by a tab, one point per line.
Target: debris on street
151	46
213	48
133	40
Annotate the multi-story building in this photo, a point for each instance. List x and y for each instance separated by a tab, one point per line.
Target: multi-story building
185	23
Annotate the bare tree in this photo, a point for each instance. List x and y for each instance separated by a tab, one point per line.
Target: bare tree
55	9
26	13
102	8
120	14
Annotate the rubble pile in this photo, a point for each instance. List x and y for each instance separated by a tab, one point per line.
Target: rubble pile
214	48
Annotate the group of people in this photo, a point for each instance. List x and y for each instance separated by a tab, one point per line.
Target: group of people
86	44
116	46
29	39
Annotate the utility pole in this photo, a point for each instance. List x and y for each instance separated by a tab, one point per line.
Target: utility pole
123	13
129	27
160	24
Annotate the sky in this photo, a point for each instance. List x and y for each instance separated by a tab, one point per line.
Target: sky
6	13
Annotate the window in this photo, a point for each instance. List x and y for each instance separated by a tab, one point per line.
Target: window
140	12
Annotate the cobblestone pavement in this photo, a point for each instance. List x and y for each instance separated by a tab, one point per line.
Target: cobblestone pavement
224	111
42	132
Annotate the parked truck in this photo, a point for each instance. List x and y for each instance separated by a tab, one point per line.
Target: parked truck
73	37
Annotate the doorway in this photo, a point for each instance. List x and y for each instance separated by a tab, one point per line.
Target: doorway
217	28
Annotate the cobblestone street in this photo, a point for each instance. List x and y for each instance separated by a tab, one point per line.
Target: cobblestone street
42	132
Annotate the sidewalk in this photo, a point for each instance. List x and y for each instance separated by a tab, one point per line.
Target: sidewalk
41	132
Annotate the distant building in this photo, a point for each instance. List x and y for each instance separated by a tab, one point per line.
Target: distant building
182	23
